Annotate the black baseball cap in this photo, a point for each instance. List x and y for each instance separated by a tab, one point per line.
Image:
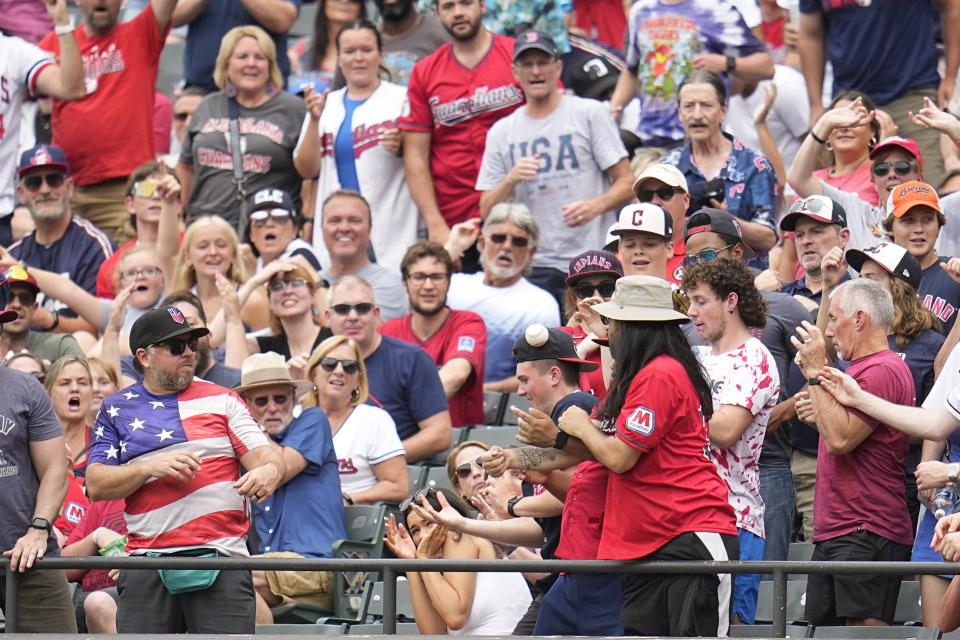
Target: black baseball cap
534	40
159	325
540	343
593	76
817	207
717	221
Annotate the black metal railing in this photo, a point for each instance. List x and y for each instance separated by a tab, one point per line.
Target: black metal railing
391	568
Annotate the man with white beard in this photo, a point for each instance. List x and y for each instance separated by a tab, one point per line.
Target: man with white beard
506	301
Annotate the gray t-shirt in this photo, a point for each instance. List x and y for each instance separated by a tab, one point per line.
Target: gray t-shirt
388	291
52	346
400	53
268	134
577	143
26	415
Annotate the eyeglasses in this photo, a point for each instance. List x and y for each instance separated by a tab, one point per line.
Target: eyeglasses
145	188
706	255
147	272
282	285
329	365
665	193
417	496
517	241
278	399
53	180
259	218
181	117
466	469
24	297
177	347
362	308
605	289
901	167
420	278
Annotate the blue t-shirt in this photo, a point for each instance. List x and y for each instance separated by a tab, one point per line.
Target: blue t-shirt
305	515
749	181
859	37
940	293
208	29
403	381
78	255
343	151
919	355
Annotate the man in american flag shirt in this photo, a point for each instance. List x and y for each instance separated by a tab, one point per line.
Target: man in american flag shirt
171	446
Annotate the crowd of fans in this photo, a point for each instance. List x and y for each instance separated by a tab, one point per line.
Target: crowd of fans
711	242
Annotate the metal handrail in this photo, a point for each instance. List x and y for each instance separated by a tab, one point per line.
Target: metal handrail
391	567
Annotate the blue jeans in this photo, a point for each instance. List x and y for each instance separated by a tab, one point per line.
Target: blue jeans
780	503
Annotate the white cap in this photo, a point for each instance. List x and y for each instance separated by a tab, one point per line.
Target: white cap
644	217
665	173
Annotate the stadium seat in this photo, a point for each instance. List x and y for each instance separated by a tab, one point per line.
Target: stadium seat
437	477
799	552
908	603
376	629
796	601
877	633
495	436
404	601
513	400
766	631
493	406
417	475
302	629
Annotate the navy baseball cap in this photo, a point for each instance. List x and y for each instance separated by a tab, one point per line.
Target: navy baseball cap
534	40
270	198
540	343
41	156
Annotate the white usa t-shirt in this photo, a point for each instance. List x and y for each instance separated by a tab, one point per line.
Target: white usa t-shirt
367	437
20	65
744	377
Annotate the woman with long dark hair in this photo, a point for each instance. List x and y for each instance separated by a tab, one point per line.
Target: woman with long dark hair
665	500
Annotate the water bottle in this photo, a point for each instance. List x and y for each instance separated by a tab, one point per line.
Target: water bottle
943	502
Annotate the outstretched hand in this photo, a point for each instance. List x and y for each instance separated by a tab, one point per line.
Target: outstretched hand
398	539
840	385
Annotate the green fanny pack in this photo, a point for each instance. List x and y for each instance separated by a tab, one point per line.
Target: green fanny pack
187	580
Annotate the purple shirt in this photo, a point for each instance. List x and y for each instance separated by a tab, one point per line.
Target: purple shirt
864	489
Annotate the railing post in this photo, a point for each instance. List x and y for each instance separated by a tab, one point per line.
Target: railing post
12	607
779	603
389	601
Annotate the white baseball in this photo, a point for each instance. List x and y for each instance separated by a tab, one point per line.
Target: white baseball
536	335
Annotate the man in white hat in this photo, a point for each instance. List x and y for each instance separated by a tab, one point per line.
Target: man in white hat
304	516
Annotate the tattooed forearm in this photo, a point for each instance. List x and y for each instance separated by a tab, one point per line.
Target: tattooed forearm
529	458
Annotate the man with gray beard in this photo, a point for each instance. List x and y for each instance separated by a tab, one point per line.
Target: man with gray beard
499	294
61	242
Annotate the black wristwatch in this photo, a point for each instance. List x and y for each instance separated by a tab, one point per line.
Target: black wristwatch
731	64
512	502
41	523
561	441
813	381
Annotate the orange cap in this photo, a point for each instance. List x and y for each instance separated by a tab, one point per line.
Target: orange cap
912	194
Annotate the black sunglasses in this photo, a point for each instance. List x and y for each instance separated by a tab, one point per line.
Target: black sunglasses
278	399
517	241
605	289
417	497
664	193
177	347
329	365
362	308
24	297
466	469
901	167
54	180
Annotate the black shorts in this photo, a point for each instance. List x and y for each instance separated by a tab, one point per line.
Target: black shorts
681	605
831	600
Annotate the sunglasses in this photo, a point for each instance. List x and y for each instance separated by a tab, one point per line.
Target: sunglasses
517	241
362	308
53	180
283	285
605	289
145	188
664	193
812	204
24	297
329	365
466	469
177	347
259	218
901	167
417	497
147	272
278	399
706	255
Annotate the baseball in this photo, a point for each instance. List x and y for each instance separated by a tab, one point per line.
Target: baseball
536	335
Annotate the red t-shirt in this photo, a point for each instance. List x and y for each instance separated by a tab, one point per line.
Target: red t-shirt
675	262
75	506
583	508
462	335
103	513
590	381
863	489
457	106
674	487
109	133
